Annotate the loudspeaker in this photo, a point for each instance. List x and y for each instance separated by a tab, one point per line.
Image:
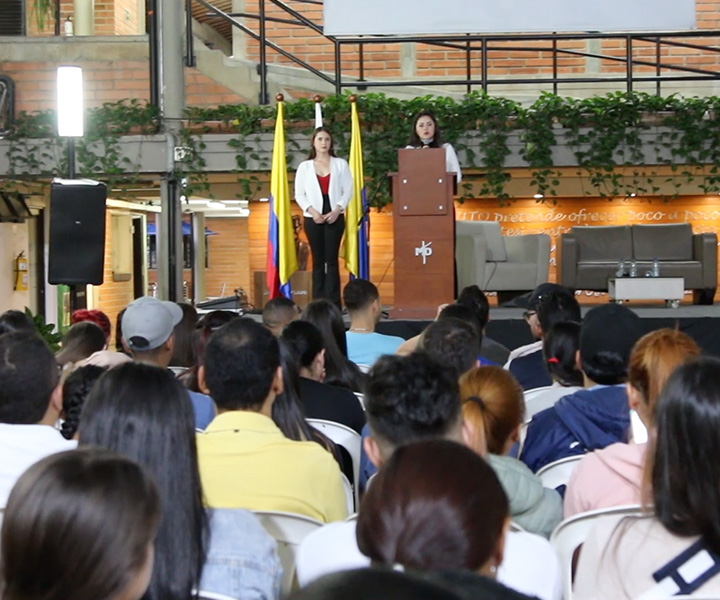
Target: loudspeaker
77	232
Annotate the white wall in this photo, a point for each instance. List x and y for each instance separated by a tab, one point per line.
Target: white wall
13	240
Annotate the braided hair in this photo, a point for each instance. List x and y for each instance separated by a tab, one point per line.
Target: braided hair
76	388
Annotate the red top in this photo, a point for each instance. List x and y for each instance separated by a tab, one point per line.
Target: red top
324	181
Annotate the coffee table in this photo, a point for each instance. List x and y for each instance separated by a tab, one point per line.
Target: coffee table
670	289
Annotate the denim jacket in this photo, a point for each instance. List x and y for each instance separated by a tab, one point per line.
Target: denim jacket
242	559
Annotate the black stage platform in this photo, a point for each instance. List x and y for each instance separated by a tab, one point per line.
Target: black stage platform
507	326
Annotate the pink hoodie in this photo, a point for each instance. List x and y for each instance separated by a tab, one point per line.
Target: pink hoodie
605	478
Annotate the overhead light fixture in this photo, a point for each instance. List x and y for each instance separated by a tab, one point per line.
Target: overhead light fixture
538	196
264	200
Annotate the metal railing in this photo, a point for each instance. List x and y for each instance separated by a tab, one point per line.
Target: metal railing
477	50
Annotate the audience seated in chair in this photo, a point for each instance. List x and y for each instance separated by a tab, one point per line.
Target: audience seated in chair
436	505
560	346
474	298
626	559
278	312
79	342
548	304
320	400
612	476
339	370
408	399
493	406
184	347
61	532
451	342
598	415
245	460
364	344
148	335
30	405
140	411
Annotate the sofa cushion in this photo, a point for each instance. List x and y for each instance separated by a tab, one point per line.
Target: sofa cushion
492	233
603	243
664	242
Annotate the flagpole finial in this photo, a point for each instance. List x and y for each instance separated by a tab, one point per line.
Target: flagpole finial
353	98
317	98
279	97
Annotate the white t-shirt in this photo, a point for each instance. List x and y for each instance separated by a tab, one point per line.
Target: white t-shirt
22	446
530	565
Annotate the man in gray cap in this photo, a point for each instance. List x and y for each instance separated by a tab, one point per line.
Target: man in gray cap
147	333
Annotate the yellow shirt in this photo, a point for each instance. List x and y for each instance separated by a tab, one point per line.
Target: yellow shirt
246	462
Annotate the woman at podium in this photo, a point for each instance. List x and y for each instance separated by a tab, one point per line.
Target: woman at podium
323	188
426	134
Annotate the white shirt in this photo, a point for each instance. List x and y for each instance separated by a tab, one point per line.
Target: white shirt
22	446
307	187
530	565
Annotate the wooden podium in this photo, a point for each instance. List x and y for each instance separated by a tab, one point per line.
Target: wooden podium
424	227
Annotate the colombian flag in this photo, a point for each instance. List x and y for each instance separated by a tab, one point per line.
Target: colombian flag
281	256
355	244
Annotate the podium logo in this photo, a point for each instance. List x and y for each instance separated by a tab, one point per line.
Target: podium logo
424	250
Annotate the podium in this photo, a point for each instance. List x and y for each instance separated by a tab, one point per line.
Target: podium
424	228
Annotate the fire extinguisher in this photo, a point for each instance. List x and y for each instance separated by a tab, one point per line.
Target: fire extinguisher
21	273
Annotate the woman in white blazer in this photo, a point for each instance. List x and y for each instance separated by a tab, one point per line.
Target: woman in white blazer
426	134
323	188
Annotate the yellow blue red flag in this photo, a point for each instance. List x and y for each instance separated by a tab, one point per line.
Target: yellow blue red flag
281	255
355	245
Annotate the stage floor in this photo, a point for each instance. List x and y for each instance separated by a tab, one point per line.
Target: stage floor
508	327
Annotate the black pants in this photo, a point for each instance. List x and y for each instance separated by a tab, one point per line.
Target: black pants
325	245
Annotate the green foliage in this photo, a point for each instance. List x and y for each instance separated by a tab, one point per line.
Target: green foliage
609	136
45	330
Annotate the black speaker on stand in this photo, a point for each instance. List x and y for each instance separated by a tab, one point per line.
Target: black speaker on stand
77	235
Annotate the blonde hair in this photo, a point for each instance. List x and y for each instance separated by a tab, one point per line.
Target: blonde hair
493	405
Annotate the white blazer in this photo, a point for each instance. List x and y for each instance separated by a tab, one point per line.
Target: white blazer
307	187
452	164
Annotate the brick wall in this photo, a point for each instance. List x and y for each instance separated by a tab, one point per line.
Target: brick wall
106	81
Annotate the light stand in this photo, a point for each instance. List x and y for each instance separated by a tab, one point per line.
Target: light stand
71	125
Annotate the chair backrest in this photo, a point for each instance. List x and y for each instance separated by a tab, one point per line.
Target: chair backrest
542	398
492	233
349	494
288	530
572	532
203	595
360	397
348	439
558	473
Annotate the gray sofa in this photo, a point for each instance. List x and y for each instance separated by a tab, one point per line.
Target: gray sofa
498	263
588	256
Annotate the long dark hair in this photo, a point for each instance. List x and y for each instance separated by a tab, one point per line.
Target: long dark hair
143	412
434	505
415	140
313	153
184	346
560	345
78	525
76	389
683	464
338	369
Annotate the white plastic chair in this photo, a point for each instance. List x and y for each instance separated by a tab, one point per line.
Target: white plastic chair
530	394
539	399
557	473
572	532
288	530
203	595
348	439
364	368
349	494
360	397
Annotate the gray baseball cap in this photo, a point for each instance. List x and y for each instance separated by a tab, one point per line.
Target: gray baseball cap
149	322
